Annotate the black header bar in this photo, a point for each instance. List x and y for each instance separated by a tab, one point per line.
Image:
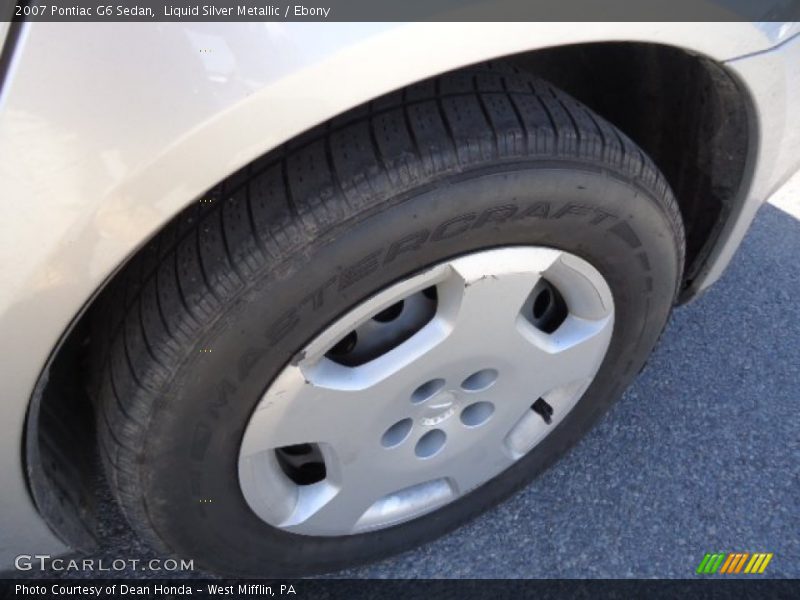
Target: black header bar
400	10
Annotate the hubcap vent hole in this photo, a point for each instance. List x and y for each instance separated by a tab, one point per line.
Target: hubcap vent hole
345	346
386	330
542	303
546	309
298	450
302	463
543	409
479	380
390	314
430	443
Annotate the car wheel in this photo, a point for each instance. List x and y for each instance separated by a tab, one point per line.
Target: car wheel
370	336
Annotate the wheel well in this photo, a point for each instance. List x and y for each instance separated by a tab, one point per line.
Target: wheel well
686	111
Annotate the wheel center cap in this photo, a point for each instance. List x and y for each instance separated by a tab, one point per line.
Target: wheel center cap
439	408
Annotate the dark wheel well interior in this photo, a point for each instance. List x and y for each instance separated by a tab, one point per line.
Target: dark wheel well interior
686	111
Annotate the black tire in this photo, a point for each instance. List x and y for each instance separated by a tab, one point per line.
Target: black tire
474	159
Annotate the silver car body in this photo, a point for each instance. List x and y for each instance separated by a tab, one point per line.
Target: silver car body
109	130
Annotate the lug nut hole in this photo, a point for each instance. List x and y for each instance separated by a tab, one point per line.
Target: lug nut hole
430	443
477	414
479	380
427	390
397	433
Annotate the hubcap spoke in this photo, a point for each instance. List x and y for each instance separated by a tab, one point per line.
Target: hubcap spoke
482	459
494	288
573	353
372	485
296	411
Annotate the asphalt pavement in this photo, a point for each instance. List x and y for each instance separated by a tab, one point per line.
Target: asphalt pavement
702	453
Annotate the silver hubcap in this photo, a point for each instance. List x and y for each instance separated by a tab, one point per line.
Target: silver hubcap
426	391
